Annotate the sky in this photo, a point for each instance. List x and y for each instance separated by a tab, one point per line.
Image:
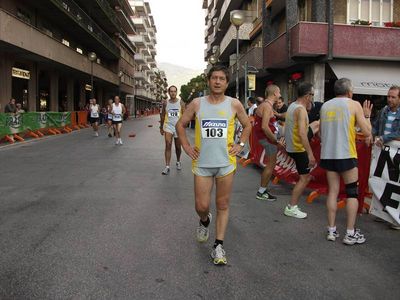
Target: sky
180	32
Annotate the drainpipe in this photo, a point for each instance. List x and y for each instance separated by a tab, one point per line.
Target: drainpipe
329	15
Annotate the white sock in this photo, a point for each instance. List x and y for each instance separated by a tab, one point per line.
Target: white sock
350	231
167	167
262	189
332	229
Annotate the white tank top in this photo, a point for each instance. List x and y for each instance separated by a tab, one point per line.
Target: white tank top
117	110
94	111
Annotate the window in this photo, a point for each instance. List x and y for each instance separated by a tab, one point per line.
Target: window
65	42
375	11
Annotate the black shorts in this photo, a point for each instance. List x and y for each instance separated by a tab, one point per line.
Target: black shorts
94	120
117	122
301	160
338	165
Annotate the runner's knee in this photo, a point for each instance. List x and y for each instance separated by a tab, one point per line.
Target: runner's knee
352	190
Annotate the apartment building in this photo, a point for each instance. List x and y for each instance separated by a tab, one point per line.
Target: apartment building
149	80
314	40
45	47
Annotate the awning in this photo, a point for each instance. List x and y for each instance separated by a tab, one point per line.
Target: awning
368	77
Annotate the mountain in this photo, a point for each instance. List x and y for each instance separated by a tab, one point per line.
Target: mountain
178	75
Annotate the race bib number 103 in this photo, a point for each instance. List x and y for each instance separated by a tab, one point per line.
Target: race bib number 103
214	129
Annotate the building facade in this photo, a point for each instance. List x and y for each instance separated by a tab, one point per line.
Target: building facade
315	40
149	80
45	47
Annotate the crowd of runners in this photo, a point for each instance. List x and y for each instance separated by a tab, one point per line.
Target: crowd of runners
214	150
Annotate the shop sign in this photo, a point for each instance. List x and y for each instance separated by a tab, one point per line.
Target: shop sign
252	82
21	73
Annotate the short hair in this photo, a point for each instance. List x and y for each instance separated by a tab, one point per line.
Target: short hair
219	68
251	100
270	90
304	89
395	87
342	86
172	86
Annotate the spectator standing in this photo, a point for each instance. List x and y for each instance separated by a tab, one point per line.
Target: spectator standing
251	102
19	108
10	107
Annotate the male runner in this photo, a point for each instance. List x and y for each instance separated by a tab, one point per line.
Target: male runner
214	153
297	145
118	110
339	118
171	112
266	131
94	109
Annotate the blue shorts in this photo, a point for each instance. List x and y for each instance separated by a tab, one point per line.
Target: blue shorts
214	172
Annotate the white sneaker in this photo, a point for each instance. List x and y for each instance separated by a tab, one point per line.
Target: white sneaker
120	142
356	238
331	236
165	171
117	142
178	165
202	232
294	212
218	255
96	134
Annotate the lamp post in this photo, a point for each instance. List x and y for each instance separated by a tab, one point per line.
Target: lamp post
92	57
212	60
237	19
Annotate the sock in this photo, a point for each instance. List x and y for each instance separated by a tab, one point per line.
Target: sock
167	167
262	189
218	242
206	223
332	229
350	231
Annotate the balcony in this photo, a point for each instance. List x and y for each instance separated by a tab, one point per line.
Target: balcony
153	51
145	67
139	7
126	22
145	51
139	58
139	24
254	58
140	75
146	37
138	40
228	43
76	23
310	40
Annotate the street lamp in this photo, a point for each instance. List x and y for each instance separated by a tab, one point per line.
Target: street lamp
92	57
237	19
212	60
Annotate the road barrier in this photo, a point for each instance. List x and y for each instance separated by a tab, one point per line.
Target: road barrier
285	169
16	127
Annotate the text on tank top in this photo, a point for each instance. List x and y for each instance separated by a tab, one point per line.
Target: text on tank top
117	110
214	133
338	134
172	112
94	111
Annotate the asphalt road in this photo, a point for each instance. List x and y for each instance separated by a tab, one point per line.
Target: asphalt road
81	218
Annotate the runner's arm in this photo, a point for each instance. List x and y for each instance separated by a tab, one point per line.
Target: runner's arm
267	114
360	113
244	120
162	116
303	130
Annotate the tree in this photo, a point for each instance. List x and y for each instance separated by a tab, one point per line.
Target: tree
194	88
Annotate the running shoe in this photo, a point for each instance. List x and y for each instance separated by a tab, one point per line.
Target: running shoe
109	135
202	232
294	212
356	238
178	165
218	255
120	142
331	236
117	142
395	227
165	171
266	196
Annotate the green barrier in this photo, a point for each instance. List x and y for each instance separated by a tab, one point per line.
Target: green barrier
19	123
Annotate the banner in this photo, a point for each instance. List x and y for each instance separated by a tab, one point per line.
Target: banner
18	123
252	82
384	182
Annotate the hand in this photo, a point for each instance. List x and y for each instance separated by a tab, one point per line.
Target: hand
367	108
192	152
161	131
311	161
379	141
282	142
235	149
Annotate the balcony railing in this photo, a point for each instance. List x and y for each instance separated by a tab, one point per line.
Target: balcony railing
80	17
108	11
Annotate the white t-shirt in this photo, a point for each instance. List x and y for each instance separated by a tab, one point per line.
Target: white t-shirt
251	109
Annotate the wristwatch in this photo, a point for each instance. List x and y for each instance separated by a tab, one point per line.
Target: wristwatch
241	144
